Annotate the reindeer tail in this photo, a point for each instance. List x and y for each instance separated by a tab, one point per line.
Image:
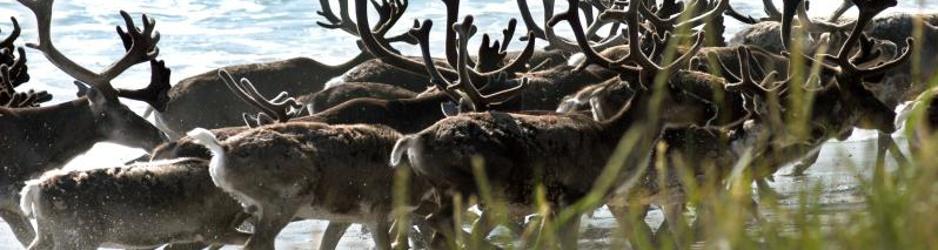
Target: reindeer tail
400	148
29	196
206	138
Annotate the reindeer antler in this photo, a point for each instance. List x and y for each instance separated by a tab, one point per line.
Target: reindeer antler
645	66
156	93
463	87
143	48
845	66
491	56
8	41
18	70
557	42
282	107
376	48
747	84
12	99
389	12
671	24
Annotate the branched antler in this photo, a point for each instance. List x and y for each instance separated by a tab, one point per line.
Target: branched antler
641	64
671	24
747	84
372	44
557	42
491	56
282	107
18	69
143	48
463	88
845	66
389	13
7	42
11	99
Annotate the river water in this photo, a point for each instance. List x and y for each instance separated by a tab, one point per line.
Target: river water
201	35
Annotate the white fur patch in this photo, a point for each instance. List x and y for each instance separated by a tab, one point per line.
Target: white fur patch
29	196
216	166
400	147
576	59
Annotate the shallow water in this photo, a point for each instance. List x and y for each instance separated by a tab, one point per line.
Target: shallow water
200	35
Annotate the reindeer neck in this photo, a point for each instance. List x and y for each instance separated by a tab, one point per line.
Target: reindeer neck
60	132
631	114
348	65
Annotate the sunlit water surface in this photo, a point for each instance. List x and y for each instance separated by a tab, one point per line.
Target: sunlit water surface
200	35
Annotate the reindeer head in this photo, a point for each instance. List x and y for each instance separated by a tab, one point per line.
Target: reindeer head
117	123
112	120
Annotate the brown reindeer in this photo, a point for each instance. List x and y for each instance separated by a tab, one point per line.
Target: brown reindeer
40	139
143	205
311	171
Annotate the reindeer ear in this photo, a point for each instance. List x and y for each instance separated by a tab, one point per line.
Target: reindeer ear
93	95
465	104
599	112
449	108
82	89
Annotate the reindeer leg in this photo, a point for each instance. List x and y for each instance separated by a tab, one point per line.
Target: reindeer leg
379	233
271	220
632	230
482	227
44	239
883	144
234	237
186	246
569	234
22	228
887	142
764	189
804	164
423	233
443	226
674	224
332	235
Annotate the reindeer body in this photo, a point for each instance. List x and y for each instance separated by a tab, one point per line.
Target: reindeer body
145	205
310	171
335	95
404	115
187	100
518	151
45	138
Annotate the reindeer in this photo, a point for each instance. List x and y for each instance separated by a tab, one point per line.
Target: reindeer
137	206
294	169
40	139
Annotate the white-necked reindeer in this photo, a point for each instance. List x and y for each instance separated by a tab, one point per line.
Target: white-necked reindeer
39	139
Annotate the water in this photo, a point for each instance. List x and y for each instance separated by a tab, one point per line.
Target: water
201	35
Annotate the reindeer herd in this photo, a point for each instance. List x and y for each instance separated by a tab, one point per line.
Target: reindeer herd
581	117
